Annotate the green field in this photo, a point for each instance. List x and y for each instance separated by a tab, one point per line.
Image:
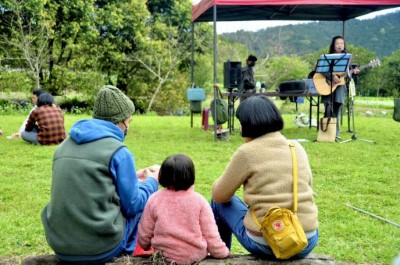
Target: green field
361	174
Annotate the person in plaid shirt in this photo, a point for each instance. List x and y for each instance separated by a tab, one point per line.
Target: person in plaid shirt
45	124
35	95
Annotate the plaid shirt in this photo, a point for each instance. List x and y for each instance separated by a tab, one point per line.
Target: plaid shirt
49	121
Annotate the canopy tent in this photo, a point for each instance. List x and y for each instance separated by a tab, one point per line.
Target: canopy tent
247	10
327	10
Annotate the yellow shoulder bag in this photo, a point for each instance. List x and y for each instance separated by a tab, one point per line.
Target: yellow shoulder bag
281	227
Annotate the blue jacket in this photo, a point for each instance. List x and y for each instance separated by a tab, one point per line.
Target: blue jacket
133	195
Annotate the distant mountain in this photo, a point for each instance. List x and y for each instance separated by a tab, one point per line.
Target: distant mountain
380	35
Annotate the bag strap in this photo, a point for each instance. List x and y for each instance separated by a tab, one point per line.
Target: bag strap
219	93
295	175
327	124
295	178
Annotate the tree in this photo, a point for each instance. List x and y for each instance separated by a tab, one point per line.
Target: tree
162	58
122	30
26	36
166	52
72	27
92	38
284	68
389	74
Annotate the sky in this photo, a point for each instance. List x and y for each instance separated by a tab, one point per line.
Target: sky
225	27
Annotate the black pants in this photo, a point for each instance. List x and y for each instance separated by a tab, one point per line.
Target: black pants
333	111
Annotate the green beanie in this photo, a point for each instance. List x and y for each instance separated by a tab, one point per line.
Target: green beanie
112	105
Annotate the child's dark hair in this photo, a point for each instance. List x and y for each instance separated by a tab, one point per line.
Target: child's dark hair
177	171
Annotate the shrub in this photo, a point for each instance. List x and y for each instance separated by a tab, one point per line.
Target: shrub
76	105
10	107
13	81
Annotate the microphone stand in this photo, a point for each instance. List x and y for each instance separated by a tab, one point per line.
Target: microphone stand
347	106
354	136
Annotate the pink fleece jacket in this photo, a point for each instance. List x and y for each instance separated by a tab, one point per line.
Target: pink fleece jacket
181	225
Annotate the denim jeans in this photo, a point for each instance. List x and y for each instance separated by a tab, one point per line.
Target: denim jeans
31	136
229	218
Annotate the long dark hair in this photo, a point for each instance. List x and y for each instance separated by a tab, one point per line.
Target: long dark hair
332	47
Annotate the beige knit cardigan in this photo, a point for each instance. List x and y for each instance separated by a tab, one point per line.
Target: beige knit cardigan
264	167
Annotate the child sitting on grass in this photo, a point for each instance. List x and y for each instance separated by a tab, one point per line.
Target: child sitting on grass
178	221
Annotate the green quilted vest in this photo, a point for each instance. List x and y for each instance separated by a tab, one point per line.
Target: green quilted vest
83	216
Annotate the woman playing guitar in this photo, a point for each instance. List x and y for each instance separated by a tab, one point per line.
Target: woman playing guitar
338	45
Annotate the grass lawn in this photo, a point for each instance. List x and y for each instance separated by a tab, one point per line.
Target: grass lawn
362	174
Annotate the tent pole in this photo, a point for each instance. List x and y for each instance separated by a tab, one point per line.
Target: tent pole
215	73
343	27
192	61
348	94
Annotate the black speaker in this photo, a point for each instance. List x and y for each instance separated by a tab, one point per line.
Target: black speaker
232	75
292	86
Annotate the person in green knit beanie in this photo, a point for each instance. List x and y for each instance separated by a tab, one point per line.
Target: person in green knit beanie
97	194
263	166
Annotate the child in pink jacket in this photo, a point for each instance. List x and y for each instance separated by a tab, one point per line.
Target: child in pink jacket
177	220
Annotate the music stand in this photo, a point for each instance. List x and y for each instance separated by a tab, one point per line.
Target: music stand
336	63
327	66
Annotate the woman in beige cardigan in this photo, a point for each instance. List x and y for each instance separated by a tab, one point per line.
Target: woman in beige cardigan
263	165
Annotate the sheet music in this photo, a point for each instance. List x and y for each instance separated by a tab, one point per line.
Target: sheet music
341	62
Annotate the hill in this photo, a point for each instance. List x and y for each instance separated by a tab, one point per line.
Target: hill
380	35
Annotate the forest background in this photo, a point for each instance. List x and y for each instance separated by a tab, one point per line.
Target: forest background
72	48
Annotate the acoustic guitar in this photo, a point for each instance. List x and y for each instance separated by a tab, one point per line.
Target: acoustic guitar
323	84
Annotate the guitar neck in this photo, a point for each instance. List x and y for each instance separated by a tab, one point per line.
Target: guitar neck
352	71
364	66
325	87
